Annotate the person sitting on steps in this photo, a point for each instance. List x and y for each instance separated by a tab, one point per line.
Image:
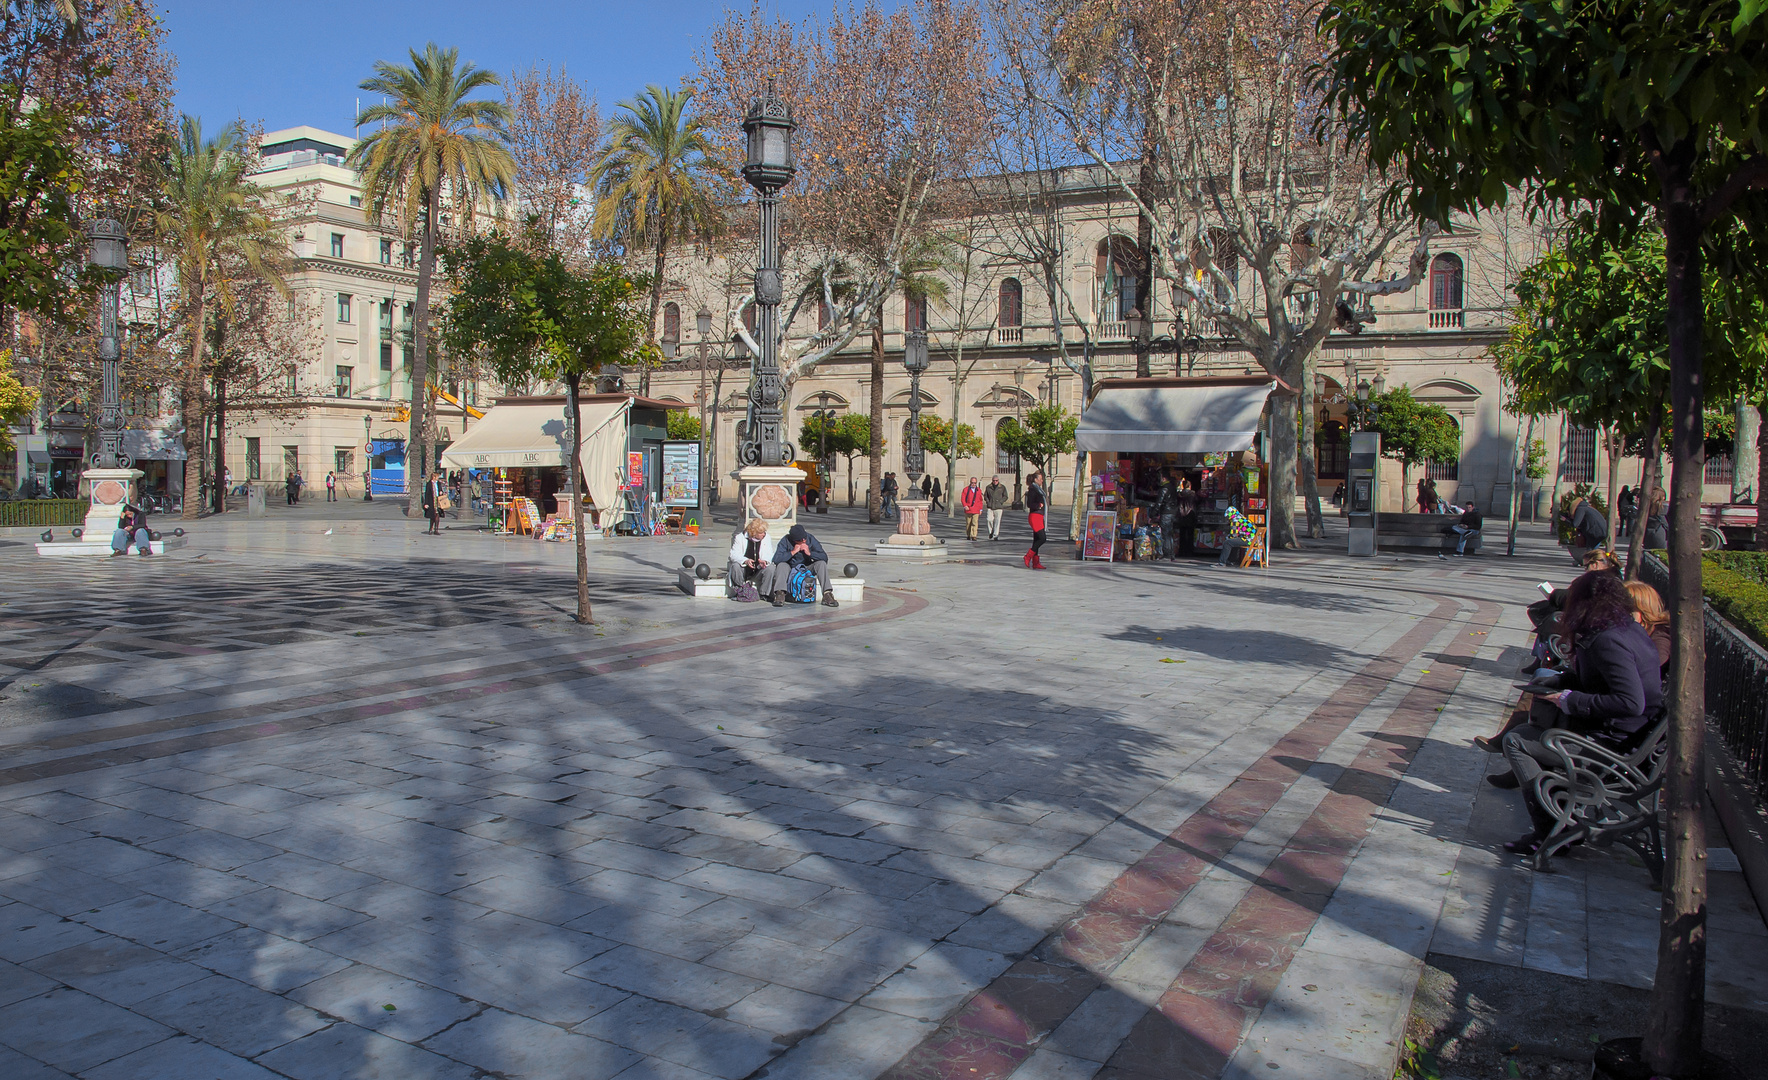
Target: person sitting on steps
746	560
131	528
797	548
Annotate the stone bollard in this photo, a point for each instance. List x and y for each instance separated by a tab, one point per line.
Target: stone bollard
255	500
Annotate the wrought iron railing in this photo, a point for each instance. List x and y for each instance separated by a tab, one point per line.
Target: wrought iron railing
1737	687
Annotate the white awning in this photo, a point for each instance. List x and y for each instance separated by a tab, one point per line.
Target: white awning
523	436
1174	416
153	445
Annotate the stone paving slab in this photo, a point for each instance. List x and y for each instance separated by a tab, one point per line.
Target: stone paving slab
975	823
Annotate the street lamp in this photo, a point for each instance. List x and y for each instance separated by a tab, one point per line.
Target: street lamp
110	253
1177	340
768	166
703	325
915	361
823	416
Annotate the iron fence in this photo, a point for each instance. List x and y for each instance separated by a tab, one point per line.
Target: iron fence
34	512
1737	688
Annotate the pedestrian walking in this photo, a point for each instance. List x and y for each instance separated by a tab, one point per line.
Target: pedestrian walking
926	487
995	499
1034	506
292	487
887	490
938	495
432	500
973	504
331	487
1427	496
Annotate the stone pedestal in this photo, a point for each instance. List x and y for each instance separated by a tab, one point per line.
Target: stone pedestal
255	507
914	537
770	492
111	488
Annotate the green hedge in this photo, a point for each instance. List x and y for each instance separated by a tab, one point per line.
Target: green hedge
36	512
1749	564
1735	583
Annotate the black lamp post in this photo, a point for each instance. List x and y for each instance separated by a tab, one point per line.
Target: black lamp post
1177	340
823	417
110	252
768	166
915	361
703	324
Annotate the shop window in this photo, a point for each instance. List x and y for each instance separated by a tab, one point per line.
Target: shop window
1580	455
254	470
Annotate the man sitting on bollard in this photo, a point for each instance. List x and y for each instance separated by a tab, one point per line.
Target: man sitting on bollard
131	528
797	548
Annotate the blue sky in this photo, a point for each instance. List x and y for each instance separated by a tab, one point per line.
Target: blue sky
288	62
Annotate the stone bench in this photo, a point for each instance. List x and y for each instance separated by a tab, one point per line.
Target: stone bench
847	590
1421	532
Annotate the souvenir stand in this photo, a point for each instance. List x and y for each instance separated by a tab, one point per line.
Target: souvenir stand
1206	433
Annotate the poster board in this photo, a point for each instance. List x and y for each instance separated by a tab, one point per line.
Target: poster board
1101	531
681	473
635	469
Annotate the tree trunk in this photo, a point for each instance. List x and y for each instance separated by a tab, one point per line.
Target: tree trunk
191	405
1519	465
1307	461
644	371
1077	510
420	355
572	382
1614	481
1144	256
874	510
1281	457
951	459
1558	479
1648	482
1673	1033
220	505
850	496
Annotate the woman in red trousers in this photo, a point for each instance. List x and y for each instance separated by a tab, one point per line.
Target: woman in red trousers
1034	504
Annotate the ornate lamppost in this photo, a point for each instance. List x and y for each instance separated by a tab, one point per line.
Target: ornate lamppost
1180	342
110	476
765	475
703	325
768	168
915	362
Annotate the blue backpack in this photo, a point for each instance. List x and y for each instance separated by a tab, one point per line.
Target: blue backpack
801	586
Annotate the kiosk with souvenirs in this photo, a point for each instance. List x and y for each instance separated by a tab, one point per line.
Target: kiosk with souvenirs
1168	458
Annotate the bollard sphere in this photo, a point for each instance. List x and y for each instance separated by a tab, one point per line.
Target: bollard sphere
687	562
850	570
151	535
79	533
178	532
703	572
49	536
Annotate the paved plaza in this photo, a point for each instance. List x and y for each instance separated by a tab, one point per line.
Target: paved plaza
317	796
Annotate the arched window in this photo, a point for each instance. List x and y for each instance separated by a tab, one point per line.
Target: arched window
1117	267
1012	309
1331	450
1004	462
1445	291
672	321
1447	470
914	312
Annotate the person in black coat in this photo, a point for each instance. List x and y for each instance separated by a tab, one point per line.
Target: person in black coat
797	548
1034	508
131	529
1610	693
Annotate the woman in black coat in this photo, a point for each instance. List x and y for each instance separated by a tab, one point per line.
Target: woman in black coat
1610	693
1034	506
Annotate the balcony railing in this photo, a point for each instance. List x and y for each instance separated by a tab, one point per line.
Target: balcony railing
1009	335
1447	319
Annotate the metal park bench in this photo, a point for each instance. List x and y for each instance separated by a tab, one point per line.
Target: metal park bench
1601	797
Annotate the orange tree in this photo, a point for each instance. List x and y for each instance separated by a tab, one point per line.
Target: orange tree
1649	112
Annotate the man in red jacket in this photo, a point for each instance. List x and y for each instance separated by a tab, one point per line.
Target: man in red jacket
972	502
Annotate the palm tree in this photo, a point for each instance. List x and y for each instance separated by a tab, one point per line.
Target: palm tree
215	221
430	145
654	182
